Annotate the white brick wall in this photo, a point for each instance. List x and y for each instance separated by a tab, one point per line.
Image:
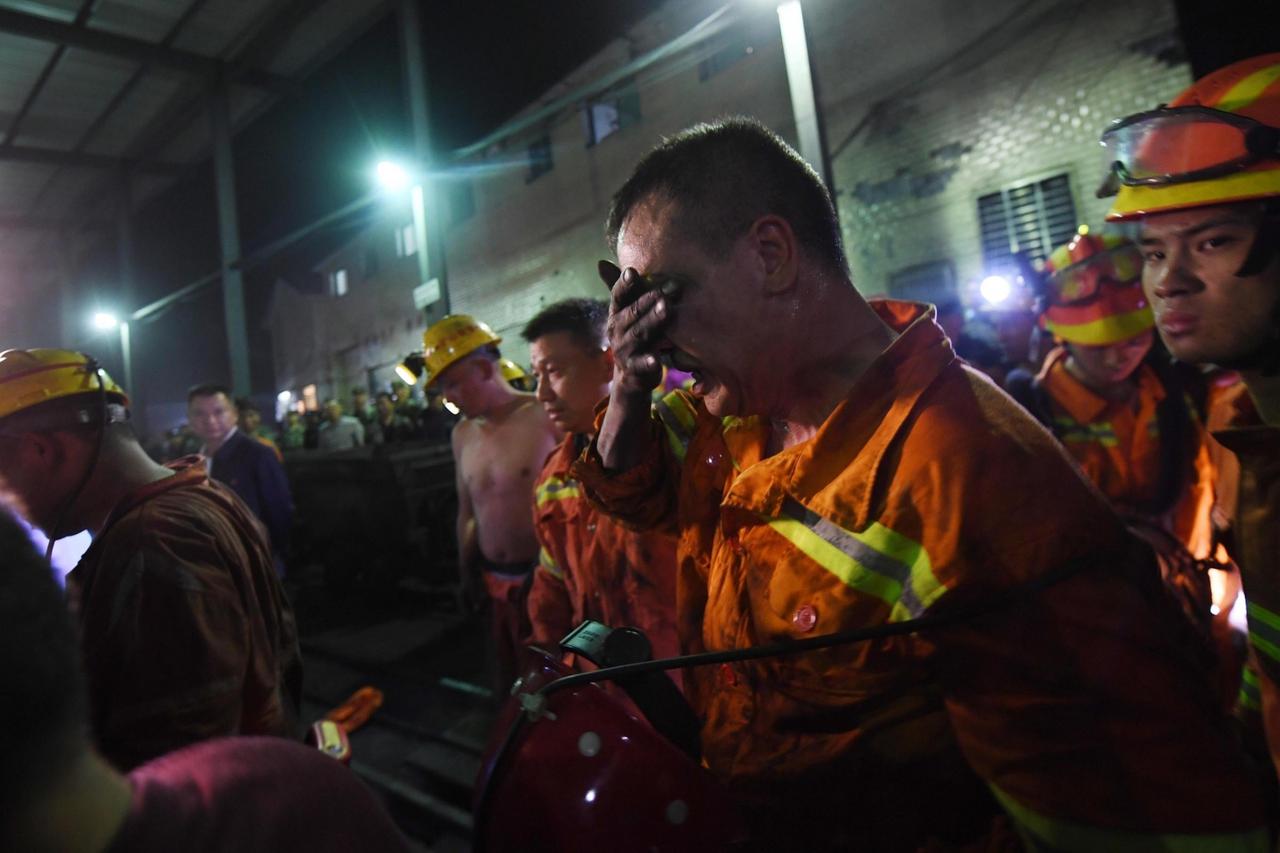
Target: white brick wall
955	99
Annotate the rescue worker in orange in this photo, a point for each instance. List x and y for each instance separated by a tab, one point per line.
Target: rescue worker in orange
498	449
1119	411
185	630
837	467
589	567
1201	180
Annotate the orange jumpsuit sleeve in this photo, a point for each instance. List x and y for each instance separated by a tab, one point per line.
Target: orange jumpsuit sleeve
644	497
550	603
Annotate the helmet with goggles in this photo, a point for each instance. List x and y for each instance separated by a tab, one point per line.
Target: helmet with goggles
1216	143
1093	291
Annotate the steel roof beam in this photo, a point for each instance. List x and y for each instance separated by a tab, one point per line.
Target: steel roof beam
137	50
56	157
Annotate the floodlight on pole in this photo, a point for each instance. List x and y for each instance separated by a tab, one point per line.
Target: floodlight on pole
391	176
105	321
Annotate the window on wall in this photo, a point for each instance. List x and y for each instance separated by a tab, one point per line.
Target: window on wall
338	284
604	116
406	241
539	159
1032	218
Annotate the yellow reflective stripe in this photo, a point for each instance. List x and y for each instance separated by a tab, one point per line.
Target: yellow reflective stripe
555	489
1078	433
1044	833
1105	330
679	420
1264	629
548	564
877	561
1248	90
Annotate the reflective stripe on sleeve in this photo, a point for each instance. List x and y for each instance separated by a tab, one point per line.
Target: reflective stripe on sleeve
877	561
1043	833
548	564
555	489
1264	630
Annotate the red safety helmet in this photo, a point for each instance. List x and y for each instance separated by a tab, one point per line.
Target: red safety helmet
1093	291
582	774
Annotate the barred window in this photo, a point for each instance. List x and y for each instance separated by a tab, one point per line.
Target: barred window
1033	218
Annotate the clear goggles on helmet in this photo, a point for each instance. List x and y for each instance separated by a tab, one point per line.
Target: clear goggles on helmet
1117	267
1173	145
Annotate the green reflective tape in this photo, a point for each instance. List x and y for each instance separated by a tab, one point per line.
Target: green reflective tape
878	560
1077	433
548	564
1045	833
1264	629
679	421
555	489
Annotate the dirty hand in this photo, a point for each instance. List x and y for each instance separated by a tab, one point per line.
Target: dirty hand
638	316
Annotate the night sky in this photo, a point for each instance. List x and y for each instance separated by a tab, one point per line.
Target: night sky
311	154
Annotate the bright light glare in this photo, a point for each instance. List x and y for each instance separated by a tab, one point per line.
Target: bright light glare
392	176
995	289
453	410
105	321
284	396
406	375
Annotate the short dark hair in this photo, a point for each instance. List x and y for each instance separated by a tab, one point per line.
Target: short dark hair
723	176
209	389
244	404
40	657
583	319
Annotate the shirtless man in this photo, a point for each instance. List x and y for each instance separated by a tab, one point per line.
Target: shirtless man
498	450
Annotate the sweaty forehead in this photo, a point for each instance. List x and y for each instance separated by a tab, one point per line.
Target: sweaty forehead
648	235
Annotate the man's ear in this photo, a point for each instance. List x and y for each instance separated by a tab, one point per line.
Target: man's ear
776	247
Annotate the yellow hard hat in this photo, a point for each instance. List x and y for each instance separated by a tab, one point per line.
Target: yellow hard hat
452	338
1216	143
29	377
510	370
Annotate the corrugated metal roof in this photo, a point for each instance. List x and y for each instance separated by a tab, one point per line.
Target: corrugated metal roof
92	88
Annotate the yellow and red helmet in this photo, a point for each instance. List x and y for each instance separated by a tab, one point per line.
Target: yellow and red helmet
1093	291
452	338
1216	143
29	377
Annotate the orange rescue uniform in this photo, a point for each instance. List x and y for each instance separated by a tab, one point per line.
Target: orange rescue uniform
591	567
1118	447
1256	549
927	490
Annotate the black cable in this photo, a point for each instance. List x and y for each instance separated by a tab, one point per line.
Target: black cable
997	602
91	365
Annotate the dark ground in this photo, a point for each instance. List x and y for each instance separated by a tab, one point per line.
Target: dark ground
421	750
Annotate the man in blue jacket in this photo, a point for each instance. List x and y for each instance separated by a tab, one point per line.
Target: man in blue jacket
249	467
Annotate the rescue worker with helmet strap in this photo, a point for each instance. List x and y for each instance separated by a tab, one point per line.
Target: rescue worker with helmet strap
185	630
498	449
836	467
1200	178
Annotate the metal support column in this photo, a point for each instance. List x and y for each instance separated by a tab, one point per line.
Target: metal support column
427	207
229	233
127	287
804	100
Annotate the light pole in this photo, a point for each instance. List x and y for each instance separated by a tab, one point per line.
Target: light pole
804	100
394	179
105	321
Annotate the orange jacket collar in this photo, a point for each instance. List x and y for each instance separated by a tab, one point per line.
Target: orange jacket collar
1081	403
862	427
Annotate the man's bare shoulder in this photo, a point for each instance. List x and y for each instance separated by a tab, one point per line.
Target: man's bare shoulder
531	412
